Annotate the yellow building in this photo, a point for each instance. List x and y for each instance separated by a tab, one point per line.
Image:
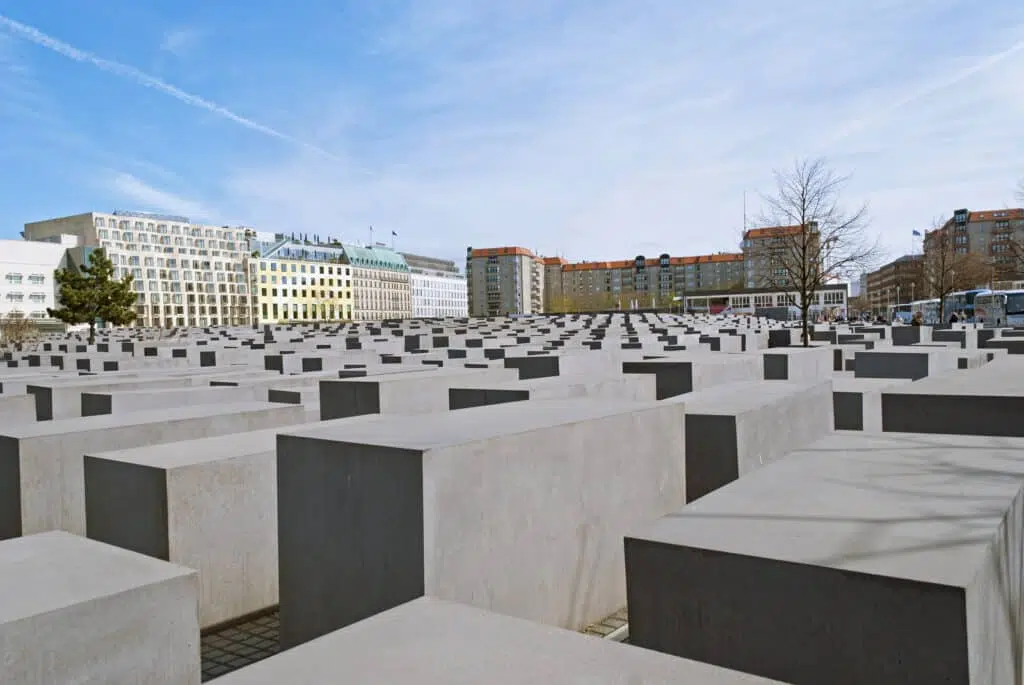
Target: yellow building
297	281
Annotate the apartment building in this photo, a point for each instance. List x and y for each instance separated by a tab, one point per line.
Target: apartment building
504	281
768	251
437	289
381	285
296	280
899	282
27	285
994	235
186	274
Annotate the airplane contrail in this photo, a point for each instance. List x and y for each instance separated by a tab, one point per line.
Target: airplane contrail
41	39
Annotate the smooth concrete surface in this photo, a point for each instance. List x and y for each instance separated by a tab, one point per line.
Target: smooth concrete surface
78	611
632	387
374	511
984	401
860	559
208	504
125	401
735	428
432	642
17	410
680	374
798	364
857	402
910	363
44	460
400	393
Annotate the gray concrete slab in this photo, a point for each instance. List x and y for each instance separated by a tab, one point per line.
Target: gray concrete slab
41	464
433	642
77	611
886	558
207	504
400	393
735	428
383	509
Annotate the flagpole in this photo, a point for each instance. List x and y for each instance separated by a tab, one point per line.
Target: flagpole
371	235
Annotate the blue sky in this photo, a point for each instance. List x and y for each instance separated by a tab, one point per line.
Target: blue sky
595	129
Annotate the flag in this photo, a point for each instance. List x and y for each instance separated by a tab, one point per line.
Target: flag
393	234
916	233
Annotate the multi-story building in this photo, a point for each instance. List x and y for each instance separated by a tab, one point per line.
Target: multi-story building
295	280
186	274
593	286
27	285
996	236
381	287
901	281
768	254
437	287
554	276
504	281
643	283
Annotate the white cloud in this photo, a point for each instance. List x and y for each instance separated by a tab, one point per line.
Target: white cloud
600	129
180	42
616	126
146	197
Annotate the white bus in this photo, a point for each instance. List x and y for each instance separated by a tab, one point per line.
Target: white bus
1000	308
929	310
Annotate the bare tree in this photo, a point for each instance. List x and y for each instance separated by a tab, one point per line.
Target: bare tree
807	238
947	270
17	328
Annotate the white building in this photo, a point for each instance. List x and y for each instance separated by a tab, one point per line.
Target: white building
380	283
186	274
27	286
438	289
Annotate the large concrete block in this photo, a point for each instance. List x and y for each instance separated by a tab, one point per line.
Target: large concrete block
635	387
433	642
62	399
861	559
77	611
374	511
125	401
417	392
736	428
798	364
914	365
857	402
208	504
41	479
984	401
17	410
696	372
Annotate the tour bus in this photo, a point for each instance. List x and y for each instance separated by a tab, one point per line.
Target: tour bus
900	312
1000	308
962	302
929	310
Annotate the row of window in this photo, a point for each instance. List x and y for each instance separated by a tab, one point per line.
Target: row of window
172	229
38	314
20	297
14	278
297	280
330	269
328	294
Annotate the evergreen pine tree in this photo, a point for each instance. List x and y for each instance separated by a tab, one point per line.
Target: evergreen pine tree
91	293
